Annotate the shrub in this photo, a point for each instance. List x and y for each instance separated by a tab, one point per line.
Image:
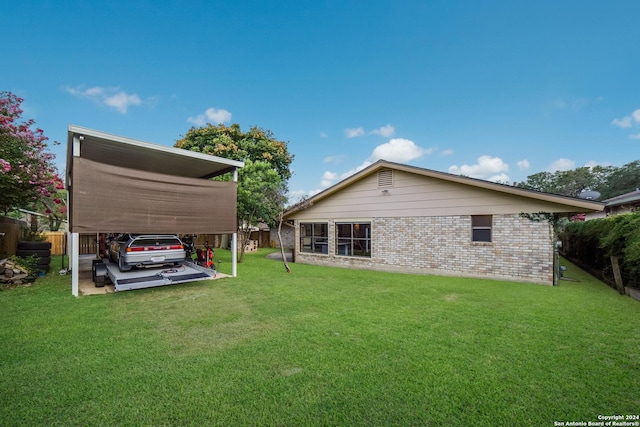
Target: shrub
592	243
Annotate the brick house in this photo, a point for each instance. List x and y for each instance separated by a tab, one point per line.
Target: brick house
394	217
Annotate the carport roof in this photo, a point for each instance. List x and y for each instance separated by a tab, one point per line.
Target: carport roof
134	154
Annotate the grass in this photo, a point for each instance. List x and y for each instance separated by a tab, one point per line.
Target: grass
319	346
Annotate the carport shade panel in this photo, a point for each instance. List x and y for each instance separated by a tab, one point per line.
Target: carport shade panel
112	199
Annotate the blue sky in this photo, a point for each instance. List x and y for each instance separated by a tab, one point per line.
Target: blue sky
497	90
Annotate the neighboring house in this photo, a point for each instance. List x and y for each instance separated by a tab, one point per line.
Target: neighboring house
629	202
624	203
394	217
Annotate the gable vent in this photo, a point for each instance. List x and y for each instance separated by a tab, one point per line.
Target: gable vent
385	178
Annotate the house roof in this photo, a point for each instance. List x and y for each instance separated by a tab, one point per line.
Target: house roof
134	154
632	197
581	205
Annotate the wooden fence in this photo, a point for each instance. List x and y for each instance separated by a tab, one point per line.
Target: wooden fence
88	243
58	241
11	232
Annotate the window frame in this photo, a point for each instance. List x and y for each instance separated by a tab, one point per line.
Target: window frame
480	225
318	243
353	244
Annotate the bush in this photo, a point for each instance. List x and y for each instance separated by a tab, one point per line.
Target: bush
592	243
30	264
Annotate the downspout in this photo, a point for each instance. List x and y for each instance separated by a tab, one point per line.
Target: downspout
556	263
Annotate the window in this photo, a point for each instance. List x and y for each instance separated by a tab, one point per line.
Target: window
314	237
353	239
481	228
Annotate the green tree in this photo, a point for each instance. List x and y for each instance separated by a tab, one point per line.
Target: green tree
621	180
262	183
609	181
261	196
231	143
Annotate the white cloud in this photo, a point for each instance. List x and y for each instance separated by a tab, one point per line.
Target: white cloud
112	97
399	150
353	132
561	165
329	178
335	159
447	152
92	91
211	115
324	135
487	168
570	104
523	164
502	178
628	121
625	122
635	136
121	101
386	131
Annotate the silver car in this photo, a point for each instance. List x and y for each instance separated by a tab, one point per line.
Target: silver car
145	250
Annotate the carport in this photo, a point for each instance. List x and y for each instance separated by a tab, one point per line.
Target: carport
117	185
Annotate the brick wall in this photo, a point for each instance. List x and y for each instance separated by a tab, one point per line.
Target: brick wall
520	250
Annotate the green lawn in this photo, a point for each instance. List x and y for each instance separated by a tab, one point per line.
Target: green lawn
319	346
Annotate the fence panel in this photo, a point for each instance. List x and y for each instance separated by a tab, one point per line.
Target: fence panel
88	244
11	231
58	241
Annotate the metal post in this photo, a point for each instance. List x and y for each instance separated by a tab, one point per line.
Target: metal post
234	239
74	249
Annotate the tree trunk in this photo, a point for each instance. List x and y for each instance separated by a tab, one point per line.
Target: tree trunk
243	243
284	257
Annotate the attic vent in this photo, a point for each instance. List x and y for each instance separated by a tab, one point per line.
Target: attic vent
385	178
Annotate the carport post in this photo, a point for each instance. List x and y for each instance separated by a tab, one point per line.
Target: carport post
74	253
234	239
75	263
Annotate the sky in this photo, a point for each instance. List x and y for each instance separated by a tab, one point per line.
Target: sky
496	90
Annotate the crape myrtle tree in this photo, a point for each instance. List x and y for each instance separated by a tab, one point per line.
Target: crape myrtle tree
262	183
28	176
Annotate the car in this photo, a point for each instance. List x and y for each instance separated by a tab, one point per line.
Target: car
146	250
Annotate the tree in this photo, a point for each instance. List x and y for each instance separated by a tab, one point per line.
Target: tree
262	183
231	143
55	206
27	170
566	183
621	180
609	181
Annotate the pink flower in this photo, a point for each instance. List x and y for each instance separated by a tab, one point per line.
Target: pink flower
4	166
